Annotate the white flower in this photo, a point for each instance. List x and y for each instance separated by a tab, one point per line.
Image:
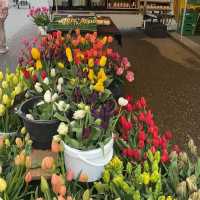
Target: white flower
53	72
62	129
56	138
55	97
47	96
87	108
81	105
38	87
59	88
46	81
79	114
40	103
60	81
29	116
62	106
72	123
122	101
27	95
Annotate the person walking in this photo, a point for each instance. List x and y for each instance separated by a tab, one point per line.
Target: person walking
3	16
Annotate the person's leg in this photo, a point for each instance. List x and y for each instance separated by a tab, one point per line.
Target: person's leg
3	48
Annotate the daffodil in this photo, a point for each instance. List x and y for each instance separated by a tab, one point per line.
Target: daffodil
69	54
35	53
91	62
38	65
102	75
3	185
99	87
1	75
103	61
60	65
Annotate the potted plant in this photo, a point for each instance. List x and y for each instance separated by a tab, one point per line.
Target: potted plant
40	16
88	138
39	115
12	86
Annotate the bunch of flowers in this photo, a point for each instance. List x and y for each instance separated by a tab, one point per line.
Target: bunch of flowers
139	133
12	85
40	15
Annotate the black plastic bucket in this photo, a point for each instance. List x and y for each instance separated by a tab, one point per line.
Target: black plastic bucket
41	131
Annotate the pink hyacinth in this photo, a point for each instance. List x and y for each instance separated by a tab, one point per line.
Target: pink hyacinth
130	76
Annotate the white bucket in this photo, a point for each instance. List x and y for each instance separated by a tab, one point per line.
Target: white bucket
90	163
8	134
42	31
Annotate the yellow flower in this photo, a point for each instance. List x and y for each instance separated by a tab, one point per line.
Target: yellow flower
60	65
91	62
38	65
35	53
102	75
2	110
6	100
103	61
169	198
4	84
69	54
99	87
146	178
18	89
3	185
91	75
105	39
15	80
1	75
1	93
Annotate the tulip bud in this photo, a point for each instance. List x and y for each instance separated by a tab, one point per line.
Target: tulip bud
1	75
4	85
17	160
7	142
181	190
19	142
192	183
2	110
44	185
3	185
28	162
47	163
53	72
23	131
28	178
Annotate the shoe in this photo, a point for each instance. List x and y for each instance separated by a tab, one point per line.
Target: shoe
3	51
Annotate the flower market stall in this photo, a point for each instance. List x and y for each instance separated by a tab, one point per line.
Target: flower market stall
68	131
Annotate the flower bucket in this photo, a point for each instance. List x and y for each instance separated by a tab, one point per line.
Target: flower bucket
14	133
90	163
42	31
41	131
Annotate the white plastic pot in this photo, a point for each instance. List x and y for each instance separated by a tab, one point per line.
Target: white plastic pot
14	133
42	31
90	163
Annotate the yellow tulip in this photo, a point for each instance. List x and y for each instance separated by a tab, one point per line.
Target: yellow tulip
60	65
91	62
6	100
4	84
105	39
35	53
18	89
91	75
146	178
15	80
1	75
38	65
102	75
3	185
2	110
103	61
99	87
169	198
69	54
1	93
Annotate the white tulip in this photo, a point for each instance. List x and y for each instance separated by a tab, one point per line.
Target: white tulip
62	129
46	81
60	81
29	116
87	108
53	72
72	123
56	138
38	87
122	101
47	96
62	106
59	88
79	114
55	97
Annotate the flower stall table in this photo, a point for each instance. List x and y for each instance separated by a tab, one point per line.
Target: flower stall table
102	29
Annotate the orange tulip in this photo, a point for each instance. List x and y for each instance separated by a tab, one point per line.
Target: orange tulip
19	143
47	163
83	178
69	175
62	190
28	177
28	162
17	160
55	147
69	198
61	197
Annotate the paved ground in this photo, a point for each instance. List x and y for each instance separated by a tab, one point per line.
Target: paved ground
167	74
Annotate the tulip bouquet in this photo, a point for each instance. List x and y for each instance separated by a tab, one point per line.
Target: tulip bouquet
90	127
12	85
40	16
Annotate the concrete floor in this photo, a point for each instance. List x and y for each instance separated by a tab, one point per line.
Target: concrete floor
168	76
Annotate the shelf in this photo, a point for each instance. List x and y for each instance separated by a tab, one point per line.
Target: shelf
156	1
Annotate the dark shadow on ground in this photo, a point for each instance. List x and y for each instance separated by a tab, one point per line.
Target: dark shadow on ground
171	89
